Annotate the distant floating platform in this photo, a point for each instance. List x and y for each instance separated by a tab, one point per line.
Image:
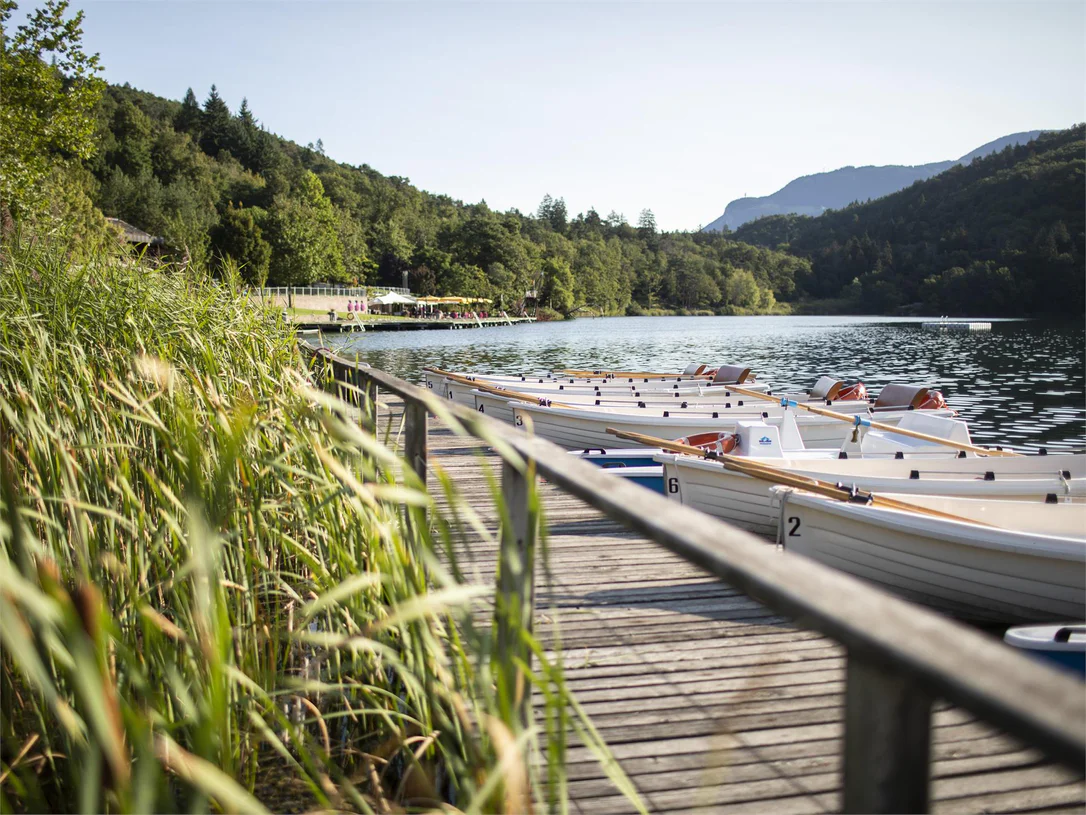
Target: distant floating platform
957	325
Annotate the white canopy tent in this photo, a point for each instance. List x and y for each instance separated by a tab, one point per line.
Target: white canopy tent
393	299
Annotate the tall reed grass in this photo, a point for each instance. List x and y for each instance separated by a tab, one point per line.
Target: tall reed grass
209	596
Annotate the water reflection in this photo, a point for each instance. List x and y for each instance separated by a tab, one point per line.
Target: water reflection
1022	382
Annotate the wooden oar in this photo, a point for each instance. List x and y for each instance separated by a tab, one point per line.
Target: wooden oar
768	472
493	389
629	374
858	420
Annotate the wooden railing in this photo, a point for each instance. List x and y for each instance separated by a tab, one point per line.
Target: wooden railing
900	657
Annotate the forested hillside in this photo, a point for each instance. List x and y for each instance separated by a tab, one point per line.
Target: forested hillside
215	184
1000	236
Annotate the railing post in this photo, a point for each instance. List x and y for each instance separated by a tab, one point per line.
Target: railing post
887	741
367	399
414	436
515	598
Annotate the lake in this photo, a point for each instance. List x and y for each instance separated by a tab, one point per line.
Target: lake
1022	383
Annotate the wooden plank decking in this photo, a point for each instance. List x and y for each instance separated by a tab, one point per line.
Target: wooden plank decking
708	699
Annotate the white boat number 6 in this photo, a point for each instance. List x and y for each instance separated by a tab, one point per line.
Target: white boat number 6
673	485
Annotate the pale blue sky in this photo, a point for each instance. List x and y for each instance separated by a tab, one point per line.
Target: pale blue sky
673	106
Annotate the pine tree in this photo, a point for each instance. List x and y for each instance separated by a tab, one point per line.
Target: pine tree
245	116
646	224
217	125
190	117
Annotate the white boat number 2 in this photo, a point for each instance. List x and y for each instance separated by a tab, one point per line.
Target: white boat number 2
794	531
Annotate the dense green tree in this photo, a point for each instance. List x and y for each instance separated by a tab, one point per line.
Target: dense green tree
302	230
49	87
238	236
132	140
358	268
557	288
741	290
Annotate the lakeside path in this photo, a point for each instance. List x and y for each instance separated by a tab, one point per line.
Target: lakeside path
707	699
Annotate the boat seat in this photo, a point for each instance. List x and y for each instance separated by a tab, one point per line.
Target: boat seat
901	397
826	388
693	369
731	374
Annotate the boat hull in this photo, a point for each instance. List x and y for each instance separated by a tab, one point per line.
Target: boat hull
749	502
977	573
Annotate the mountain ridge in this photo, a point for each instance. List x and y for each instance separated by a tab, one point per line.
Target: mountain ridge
815	193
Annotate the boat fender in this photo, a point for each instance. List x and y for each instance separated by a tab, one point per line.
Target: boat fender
852	393
914	474
933	401
899	455
1051	498
989	475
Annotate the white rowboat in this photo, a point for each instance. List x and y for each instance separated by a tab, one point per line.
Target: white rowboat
1005	561
749	502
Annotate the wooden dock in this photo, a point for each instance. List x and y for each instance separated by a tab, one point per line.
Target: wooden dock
315	322
709	700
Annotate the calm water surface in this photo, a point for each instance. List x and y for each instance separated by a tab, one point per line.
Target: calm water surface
1021	383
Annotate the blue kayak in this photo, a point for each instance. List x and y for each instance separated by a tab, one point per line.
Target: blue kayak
1064	645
